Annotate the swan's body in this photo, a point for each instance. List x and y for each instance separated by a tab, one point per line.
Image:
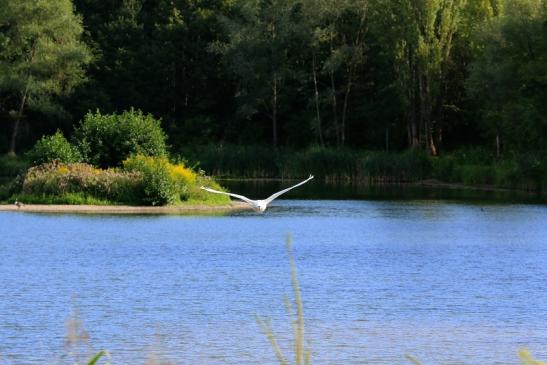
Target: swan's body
258	205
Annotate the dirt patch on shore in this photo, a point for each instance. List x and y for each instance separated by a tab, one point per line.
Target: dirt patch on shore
127	209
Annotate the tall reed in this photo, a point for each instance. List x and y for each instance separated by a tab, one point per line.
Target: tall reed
302	355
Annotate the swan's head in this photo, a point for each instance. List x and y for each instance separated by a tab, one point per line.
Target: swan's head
261	206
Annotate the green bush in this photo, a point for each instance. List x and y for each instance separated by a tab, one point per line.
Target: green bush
143	181
477	174
163	182
473	156
107	140
158	185
53	148
443	168
58	180
532	168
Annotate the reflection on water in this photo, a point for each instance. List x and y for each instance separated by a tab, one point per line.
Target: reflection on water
450	283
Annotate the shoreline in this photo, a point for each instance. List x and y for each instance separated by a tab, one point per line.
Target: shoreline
127	209
429	183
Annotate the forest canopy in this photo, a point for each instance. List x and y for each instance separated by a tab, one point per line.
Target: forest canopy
366	74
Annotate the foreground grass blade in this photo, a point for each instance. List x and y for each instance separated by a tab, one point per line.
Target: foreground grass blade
96	358
413	360
299	322
527	359
302	356
267	329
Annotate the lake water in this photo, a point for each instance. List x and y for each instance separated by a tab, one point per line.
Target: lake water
449	282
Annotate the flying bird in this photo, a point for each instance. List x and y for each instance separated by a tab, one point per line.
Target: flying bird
258	205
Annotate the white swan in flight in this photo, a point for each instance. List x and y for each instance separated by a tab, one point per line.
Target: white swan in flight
258	205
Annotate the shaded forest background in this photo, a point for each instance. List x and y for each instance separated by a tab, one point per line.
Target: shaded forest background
365	74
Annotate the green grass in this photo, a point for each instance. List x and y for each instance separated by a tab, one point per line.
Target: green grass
67	198
84	199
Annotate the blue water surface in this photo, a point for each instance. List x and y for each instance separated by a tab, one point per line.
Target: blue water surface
447	282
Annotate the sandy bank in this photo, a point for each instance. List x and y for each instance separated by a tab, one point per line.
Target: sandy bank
127	209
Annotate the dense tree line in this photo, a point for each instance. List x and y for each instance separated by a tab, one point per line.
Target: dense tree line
372	74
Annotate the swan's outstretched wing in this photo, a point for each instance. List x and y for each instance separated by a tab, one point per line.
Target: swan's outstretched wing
273	196
241	197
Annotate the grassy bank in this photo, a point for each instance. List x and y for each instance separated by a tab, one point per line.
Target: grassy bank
141	180
470	166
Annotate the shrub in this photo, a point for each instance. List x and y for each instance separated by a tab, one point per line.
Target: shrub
53	148
443	168
477	174
532	167
162	182
143	180
473	156
58	179
107	140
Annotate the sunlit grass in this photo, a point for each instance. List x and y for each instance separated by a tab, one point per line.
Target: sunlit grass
66	198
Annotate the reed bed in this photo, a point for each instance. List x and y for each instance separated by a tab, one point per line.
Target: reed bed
468	166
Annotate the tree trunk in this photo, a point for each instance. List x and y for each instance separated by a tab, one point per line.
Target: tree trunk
498	145
353	63
421	108
345	106
334	104
334	109
413	103
433	148
316	95
16	124
274	112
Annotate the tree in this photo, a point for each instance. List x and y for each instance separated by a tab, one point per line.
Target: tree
422	34
508	78
262	39
345	31
154	56
41	56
